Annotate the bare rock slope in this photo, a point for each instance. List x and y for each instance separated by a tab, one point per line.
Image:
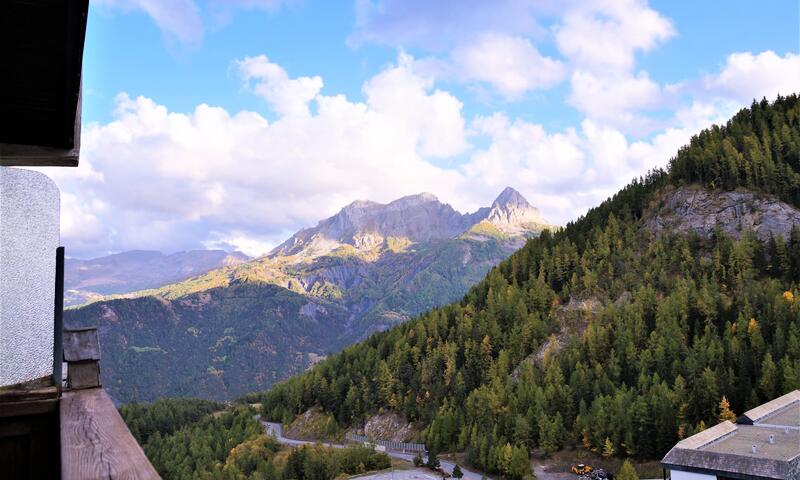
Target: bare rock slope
702	211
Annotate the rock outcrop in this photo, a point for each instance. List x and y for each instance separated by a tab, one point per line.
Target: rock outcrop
688	209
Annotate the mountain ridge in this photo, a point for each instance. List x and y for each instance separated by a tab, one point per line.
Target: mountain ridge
415	218
363	270
133	270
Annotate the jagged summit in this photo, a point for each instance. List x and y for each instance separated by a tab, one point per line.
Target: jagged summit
511	197
422	217
513	215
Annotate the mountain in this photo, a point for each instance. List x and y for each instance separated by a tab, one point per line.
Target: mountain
86	280
420	218
641	323
240	328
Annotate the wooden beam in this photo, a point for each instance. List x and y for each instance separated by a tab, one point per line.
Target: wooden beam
96	443
36	407
23	394
12	155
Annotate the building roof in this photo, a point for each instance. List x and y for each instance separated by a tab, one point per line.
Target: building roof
764	443
772	408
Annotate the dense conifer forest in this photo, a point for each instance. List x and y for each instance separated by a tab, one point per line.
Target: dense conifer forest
602	335
187	439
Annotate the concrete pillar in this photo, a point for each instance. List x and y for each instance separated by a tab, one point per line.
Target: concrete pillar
29	236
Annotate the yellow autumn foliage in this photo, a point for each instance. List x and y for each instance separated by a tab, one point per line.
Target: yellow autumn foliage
789	297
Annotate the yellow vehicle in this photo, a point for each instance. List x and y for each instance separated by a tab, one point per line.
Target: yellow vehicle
581	469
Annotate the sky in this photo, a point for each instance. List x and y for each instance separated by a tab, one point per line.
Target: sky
234	123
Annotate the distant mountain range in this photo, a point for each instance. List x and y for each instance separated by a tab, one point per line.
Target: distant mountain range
86	280
244	325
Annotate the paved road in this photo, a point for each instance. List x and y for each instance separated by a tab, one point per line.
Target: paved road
276	431
397	474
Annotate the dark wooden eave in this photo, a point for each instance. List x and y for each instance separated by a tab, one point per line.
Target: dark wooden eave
41	54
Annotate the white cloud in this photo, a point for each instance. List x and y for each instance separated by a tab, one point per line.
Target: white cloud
746	76
604	35
169	180
511	65
178	19
287	96
615	99
566	173
404	100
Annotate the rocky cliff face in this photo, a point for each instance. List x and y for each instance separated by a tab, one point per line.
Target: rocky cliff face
694	209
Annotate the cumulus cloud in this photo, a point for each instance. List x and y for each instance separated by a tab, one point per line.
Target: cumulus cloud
599	39
155	178
746	76
511	65
152	178
615	99
498	45
287	96
566	173
604	35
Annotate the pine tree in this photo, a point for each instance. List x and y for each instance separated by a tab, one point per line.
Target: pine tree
457	473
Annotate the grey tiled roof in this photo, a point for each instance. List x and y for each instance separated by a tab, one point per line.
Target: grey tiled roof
765	443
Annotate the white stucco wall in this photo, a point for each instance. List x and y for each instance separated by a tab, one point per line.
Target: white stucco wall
29	236
678	475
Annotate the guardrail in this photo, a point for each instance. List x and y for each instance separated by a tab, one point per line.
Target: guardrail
389	444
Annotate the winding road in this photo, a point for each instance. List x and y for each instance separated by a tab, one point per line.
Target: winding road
276	431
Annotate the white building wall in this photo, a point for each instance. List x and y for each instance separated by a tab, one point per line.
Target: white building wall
29	236
679	475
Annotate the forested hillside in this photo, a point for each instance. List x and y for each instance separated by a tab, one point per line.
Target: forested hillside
604	335
184	441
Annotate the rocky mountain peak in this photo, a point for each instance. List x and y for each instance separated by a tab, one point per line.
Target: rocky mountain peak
511	198
367	225
512	214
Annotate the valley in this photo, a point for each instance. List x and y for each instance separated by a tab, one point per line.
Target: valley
242	327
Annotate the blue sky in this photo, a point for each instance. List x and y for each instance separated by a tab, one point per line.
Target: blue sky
234	123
